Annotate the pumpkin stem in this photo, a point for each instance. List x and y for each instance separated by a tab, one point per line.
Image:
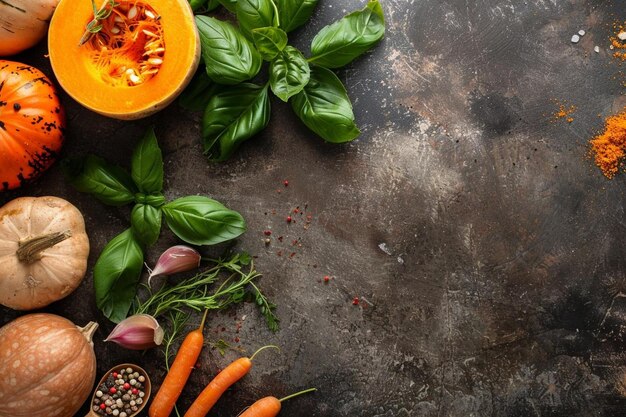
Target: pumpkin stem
30	249
89	330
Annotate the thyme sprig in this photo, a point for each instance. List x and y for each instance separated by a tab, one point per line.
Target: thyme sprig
94	26
196	293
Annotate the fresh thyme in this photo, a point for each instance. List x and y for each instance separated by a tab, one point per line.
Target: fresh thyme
195	293
94	26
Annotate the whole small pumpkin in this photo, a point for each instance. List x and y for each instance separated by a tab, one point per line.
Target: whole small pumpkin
43	251
47	366
32	124
23	23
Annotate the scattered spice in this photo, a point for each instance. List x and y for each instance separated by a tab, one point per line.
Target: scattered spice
289	219
326	279
618	41
564	112
608	149
267	233
286	183
356	301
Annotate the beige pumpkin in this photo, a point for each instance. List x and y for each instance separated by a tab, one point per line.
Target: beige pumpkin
23	23
47	366
43	251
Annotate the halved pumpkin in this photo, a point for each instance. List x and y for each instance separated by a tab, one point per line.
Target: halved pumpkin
141	59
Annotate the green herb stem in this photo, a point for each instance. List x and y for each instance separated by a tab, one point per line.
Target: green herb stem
195	293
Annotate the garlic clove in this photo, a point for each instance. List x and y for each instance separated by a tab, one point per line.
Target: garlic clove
138	332
176	259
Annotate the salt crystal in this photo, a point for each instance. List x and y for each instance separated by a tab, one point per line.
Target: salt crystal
596	49
622	36
575	39
581	32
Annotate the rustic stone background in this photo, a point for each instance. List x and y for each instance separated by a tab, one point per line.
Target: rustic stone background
486	247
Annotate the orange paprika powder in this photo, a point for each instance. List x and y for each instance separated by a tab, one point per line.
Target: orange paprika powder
609	148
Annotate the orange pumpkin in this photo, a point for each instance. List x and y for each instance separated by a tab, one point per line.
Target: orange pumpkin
32	124
47	366
141	59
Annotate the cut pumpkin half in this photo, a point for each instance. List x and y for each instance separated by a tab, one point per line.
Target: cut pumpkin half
141	58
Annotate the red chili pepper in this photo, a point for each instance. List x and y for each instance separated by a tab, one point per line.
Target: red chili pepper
112	390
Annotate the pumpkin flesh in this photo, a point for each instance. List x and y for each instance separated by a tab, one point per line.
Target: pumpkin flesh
142	58
47	366
32	124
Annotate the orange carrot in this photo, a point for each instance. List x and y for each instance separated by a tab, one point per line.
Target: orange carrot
269	406
216	388
179	372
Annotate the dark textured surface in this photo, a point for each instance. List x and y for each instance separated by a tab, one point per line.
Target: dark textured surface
487	249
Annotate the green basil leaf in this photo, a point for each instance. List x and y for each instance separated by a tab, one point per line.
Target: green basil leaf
230	5
116	275
289	73
147	164
108	183
269	41
145	222
229	57
196	4
253	14
198	93
234	115
202	221
324	106
294	13
339	43
212	5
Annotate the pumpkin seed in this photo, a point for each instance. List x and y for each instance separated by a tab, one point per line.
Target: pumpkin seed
155	61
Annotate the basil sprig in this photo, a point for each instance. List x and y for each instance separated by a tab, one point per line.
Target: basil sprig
338	44
195	219
324	106
202	221
233	56
232	116
294	13
107	182
289	73
229	57
269	41
116	275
